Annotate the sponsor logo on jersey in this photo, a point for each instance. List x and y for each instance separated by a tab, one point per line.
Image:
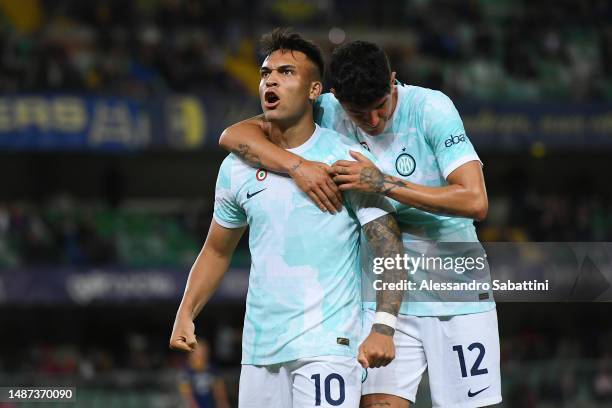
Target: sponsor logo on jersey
365	146
453	140
261	174
405	164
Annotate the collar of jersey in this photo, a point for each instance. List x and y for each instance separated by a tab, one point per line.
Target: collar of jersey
308	143
398	105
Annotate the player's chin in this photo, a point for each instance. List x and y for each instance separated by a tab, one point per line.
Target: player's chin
272	114
373	131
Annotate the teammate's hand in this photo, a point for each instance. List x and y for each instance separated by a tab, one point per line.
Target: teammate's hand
361	175
183	334
377	350
314	178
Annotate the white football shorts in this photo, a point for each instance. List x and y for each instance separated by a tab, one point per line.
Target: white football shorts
327	381
460	352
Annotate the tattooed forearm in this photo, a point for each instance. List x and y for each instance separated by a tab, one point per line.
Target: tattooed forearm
384	241
244	152
391	183
372	177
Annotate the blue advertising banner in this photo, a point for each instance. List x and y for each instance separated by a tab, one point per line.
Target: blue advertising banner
520	125
56	285
80	122
71	122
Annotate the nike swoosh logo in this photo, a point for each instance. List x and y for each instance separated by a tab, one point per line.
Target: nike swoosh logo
249	195
473	394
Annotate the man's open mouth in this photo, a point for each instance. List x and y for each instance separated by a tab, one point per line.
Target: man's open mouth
271	100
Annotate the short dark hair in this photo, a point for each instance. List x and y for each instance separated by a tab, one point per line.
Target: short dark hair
287	39
360	73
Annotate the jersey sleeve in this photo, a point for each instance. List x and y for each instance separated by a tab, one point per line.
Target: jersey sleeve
329	114
446	134
228	212
367	207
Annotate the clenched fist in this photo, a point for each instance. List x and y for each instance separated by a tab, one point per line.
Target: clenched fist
377	350
183	334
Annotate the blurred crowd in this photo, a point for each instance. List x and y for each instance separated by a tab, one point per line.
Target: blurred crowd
536	368
564	369
63	233
521	50
66	233
553	217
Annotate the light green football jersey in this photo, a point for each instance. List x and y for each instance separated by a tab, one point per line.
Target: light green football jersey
423	142
304	285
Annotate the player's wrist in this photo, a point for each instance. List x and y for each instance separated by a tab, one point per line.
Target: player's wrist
186	312
383	329
292	165
388	185
384	323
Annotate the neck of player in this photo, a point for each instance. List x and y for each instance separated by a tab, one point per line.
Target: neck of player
293	134
393	101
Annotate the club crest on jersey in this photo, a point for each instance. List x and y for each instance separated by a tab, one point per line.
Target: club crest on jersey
405	164
261	174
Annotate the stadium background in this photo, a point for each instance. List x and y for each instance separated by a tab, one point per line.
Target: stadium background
110	113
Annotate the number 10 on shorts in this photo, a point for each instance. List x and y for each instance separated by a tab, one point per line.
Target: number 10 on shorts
475	370
327	385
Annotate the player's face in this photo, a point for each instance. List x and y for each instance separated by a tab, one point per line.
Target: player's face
287	87
373	118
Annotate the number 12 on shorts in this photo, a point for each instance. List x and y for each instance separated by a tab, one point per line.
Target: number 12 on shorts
475	370
327	385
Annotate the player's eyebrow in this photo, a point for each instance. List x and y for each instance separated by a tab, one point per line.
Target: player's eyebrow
279	68
381	104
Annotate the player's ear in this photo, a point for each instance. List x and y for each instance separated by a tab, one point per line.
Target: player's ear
316	88
392	79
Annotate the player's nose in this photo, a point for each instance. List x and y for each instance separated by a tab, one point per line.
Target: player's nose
272	79
373	118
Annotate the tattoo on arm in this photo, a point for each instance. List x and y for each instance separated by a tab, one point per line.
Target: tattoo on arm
297	165
391	183
383	329
373	178
384	240
244	152
378	181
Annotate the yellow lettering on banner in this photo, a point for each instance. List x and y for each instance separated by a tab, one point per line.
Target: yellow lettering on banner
487	121
562	125
483	122
6	123
193	115
186	122
69	114
601	123
32	111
